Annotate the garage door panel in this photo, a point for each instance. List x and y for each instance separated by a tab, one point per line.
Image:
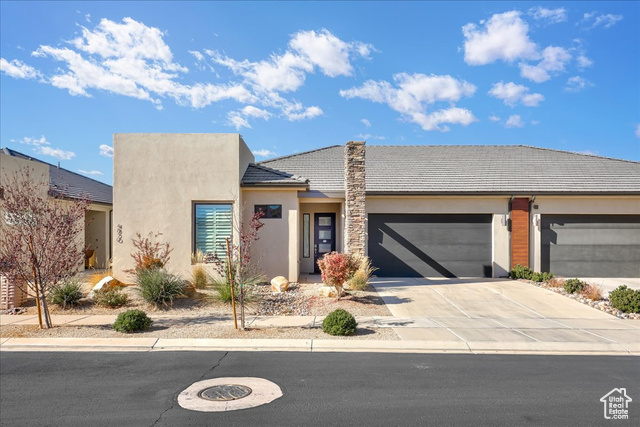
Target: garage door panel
430	245
591	245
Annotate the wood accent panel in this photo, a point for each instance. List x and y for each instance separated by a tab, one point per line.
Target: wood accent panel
520	232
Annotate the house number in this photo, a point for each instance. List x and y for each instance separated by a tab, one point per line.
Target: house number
119	234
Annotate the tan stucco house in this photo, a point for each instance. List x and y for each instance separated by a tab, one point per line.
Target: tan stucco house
61	182
452	211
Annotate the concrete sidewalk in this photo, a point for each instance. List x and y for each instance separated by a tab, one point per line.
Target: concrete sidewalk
418	334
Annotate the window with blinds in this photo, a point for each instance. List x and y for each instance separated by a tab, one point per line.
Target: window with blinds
213	224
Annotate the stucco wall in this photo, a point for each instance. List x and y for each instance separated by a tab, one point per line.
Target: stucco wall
307	264
157	179
498	206
612	205
9	165
276	251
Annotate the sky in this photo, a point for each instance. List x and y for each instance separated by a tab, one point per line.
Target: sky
296	76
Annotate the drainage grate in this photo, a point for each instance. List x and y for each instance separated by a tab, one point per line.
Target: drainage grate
225	392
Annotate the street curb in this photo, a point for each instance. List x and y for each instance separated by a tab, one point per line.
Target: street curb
311	346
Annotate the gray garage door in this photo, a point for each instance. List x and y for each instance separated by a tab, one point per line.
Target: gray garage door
591	245
417	245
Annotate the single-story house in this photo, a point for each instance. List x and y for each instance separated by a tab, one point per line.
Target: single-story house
415	210
64	183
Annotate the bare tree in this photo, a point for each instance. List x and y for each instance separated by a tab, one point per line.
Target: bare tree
40	237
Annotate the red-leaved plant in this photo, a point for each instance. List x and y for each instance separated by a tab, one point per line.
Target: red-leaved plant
336	268
150	253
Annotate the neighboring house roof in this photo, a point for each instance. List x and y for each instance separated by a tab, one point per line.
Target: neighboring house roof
259	175
467	169
70	184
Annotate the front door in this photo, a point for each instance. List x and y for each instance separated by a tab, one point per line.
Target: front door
324	236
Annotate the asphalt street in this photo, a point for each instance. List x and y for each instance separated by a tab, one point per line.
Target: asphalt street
360	389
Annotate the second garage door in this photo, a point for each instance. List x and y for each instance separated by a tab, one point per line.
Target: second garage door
591	245
428	245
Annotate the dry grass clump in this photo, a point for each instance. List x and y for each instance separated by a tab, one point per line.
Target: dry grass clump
364	271
592	292
556	282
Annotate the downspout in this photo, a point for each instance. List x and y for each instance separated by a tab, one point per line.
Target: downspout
531	229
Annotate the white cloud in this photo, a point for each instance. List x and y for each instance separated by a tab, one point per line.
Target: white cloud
295	112
263	153
18	69
514	121
55	152
503	37
576	84
132	59
89	172
106	150
237	120
412	94
594	19
42	146
366	123
368	136
554	60
550	16
638	130
583	61
535	122
327	52
87	17
512	93
494	118
252	111
197	55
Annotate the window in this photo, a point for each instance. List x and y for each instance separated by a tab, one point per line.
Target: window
306	243
270	211
213	224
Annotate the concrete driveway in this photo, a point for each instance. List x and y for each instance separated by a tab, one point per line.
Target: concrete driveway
500	314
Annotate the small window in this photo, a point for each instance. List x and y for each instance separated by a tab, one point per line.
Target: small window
213	225
270	211
306	243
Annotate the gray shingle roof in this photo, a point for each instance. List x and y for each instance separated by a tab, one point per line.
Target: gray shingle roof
262	175
70	184
467	169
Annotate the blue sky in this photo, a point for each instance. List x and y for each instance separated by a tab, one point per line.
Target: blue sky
292	77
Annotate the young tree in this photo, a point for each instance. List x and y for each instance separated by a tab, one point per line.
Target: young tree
40	237
239	270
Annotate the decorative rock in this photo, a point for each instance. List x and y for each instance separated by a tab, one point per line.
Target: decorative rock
279	284
104	284
328	291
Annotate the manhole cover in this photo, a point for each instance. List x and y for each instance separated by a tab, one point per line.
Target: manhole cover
225	392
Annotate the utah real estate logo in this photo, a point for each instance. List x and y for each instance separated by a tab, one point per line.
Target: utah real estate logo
616	404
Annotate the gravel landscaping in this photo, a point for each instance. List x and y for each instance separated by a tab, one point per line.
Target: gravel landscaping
603	304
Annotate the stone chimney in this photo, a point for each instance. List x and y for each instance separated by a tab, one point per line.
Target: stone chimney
354	196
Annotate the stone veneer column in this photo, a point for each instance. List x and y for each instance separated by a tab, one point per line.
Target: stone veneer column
354	196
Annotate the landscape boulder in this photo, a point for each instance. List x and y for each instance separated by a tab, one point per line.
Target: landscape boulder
328	291
105	284
279	284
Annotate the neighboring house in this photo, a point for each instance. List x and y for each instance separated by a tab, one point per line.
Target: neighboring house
63	183
452	211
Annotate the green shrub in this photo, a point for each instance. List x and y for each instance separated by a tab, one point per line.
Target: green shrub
573	285
66	294
224	290
132	321
112	298
521	272
547	277
625	299
158	286
536	277
339	322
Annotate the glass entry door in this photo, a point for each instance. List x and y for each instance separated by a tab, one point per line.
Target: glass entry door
324	236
